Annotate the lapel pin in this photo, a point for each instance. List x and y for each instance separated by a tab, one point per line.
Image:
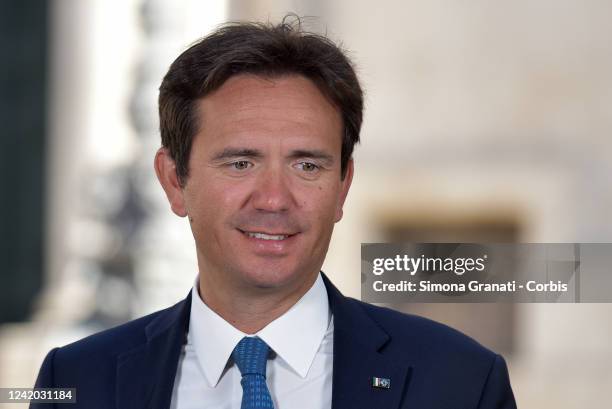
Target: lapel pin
384	383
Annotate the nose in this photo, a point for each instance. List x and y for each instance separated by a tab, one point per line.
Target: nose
272	192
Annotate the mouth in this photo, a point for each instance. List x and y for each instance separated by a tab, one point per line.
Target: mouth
267	235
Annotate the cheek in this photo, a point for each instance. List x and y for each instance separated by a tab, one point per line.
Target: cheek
232	196
320	203
209	201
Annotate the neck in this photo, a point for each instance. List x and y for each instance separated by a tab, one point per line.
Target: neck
250	311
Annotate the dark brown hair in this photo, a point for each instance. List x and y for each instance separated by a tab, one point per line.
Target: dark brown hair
261	49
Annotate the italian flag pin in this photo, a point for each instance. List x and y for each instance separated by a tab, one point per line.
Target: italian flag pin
384	383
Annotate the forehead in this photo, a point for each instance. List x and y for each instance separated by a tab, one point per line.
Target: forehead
250	105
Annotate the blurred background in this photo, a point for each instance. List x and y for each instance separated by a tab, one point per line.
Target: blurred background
485	122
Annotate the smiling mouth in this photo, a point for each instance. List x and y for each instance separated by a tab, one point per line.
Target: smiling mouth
266	236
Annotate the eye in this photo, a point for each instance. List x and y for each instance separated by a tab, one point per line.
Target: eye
240	165
308	166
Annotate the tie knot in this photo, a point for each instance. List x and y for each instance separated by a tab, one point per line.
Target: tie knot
251	355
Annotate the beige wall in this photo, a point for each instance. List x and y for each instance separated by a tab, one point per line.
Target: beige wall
496	108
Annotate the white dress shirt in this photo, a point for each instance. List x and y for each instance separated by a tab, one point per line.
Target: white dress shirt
298	373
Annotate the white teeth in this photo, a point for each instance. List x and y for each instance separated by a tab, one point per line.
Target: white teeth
266	236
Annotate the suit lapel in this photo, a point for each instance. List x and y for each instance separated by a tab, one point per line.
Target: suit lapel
145	375
359	356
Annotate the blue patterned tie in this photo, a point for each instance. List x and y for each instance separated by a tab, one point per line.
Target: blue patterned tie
251	355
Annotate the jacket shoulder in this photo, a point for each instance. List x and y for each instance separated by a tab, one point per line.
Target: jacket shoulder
113	341
447	366
427	338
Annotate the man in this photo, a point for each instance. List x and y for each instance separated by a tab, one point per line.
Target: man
258	124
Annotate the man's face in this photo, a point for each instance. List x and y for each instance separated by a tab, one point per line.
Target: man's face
264	187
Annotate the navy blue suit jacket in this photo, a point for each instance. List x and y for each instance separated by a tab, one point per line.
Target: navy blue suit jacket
430	365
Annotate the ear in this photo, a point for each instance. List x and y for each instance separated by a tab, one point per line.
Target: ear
344	189
165	169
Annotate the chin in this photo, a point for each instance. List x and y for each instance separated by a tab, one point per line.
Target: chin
272	278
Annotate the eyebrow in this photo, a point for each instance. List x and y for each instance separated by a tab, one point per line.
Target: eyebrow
313	154
229	153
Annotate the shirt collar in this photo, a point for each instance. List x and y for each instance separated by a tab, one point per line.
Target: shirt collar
295	336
